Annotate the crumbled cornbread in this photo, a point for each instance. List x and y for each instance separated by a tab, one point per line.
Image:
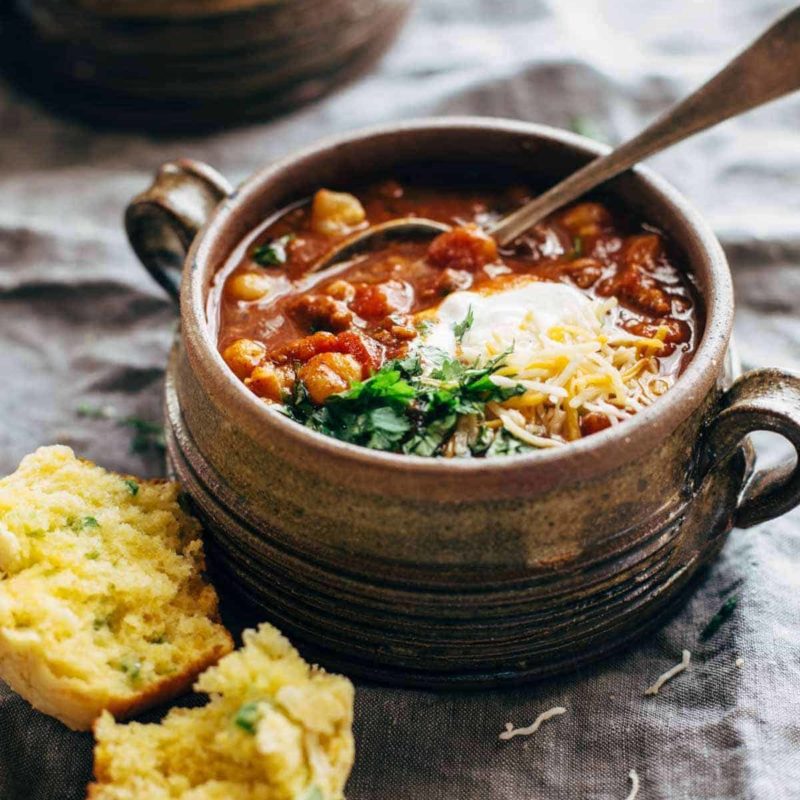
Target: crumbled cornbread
274	729
102	600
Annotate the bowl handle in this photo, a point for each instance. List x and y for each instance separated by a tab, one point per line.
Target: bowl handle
163	220
760	400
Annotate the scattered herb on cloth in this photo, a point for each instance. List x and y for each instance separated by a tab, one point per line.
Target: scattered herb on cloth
720	618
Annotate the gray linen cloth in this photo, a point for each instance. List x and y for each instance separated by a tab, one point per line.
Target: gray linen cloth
81	323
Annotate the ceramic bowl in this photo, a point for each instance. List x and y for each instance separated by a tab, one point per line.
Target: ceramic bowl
185	64
446	571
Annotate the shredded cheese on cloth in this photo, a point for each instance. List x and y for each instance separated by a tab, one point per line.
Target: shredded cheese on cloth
634	779
510	732
669	674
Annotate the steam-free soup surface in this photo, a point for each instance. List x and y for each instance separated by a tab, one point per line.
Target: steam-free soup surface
455	347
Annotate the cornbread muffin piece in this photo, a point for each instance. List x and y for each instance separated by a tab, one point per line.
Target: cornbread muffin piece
102	600
274	729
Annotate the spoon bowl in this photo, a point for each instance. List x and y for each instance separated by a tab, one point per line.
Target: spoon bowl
407	229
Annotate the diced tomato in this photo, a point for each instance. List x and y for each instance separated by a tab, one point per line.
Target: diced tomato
365	350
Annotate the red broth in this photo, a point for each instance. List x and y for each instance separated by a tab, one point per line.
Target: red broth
282	329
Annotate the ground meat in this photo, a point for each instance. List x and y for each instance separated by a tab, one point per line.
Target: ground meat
631	283
465	248
379	300
593	422
322	312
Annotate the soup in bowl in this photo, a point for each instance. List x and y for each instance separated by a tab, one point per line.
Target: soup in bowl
456	347
443	462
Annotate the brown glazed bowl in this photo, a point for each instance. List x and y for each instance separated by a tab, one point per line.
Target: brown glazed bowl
182	64
456	572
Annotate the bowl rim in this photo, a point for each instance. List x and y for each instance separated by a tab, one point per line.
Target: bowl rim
599	452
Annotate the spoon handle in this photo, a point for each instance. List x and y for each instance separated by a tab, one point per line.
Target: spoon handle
766	70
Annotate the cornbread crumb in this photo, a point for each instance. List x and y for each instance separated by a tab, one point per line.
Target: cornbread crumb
102	600
274	729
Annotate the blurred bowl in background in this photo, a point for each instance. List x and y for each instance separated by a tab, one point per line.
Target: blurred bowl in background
189	64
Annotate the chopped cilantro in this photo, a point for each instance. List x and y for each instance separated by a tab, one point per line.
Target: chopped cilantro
93	555
399	409
273	253
247	717
720	618
460	328
37	534
101	622
133	486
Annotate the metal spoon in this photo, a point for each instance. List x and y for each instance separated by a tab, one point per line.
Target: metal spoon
769	68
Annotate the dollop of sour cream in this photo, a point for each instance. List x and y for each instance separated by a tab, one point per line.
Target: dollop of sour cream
503	317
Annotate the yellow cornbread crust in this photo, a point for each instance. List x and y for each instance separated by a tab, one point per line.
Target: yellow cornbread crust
102	600
274	728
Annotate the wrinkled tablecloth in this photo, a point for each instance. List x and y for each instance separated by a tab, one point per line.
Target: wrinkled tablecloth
82	324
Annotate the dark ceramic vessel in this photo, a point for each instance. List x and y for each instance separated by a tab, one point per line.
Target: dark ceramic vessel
457	572
185	64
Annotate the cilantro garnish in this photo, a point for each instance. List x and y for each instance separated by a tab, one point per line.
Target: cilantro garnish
402	410
247	717
460	328
273	254
133	486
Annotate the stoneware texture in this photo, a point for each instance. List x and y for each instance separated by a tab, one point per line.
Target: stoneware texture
457	572
184	65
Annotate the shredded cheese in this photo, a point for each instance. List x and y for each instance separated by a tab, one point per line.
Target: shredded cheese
568	357
510	732
669	674
634	779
